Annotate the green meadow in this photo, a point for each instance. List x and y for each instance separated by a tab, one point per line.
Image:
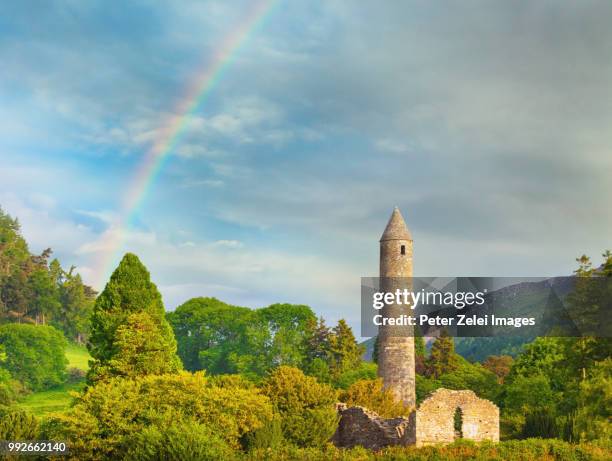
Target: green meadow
58	398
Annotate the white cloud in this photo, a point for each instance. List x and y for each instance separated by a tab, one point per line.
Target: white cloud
391	145
229	243
113	237
105	216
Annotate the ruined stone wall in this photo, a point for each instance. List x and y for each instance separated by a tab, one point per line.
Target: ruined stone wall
435	418
359	426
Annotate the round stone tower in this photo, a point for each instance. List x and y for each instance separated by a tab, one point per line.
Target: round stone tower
396	343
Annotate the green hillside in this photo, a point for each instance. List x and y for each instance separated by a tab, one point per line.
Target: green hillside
59	398
77	356
52	400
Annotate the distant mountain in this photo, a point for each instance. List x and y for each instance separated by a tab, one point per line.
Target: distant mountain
542	300
369	349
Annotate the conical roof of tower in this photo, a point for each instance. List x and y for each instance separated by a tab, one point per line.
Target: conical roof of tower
396	228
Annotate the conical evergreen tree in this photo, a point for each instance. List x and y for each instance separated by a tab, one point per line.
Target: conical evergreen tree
443	358
129	291
345	352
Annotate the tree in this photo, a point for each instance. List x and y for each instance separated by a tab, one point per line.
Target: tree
529	394
500	365
442	358
34	354
595	403
471	376
222	338
273	336
344	352
305	406
144	347
317	340
543	356
34	290
588	305
44	300
207	332
77	301
129	291
365	370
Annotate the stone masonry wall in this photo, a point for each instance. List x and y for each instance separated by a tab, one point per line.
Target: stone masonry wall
359	426
435	418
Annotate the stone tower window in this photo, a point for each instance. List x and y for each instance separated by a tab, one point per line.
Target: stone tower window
403	249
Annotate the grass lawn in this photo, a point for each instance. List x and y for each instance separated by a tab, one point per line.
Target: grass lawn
77	356
58	398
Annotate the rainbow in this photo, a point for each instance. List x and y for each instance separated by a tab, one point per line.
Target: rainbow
112	240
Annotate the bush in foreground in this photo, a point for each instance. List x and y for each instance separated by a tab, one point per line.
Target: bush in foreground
519	450
178	441
18	425
308	417
107	416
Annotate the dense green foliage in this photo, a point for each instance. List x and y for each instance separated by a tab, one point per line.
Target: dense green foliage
10	388
308	417
442	357
178	441
18	425
567	379
36	290
515	450
143	347
33	354
221	338
112	412
270	436
369	393
478	349
129	328
208	331
499	365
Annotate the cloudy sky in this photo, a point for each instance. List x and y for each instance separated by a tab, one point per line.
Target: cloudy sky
489	123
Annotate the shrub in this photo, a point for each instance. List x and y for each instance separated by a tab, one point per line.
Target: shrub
10	389
369	393
178	441
425	386
305	406
516	450
18	425
366	370
75	375
108	414
472	376
270	436
34	354
229	381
